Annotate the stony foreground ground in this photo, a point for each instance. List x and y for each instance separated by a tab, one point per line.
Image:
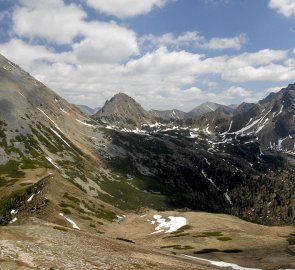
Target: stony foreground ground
41	247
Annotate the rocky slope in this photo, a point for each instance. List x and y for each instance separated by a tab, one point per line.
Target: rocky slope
217	162
61	166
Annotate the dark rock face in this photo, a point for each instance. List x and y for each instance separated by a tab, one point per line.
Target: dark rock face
244	107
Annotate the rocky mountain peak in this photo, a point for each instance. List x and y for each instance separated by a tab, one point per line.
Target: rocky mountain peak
291	86
122	110
208	107
122	96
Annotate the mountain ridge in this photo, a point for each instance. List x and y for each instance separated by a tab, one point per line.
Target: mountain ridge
206	159
64	175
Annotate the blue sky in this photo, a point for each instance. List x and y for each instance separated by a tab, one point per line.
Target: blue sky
164	53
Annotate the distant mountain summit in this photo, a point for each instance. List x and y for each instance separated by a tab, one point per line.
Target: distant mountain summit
123	111
244	107
87	110
169	114
271	120
208	107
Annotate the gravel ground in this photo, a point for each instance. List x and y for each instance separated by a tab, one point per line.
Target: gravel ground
42	247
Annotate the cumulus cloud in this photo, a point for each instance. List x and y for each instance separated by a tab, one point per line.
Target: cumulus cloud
165	66
50	20
27	55
58	23
225	43
169	39
284	7
100	59
195	39
237	91
155	78
257	66
265	73
126	8
105	42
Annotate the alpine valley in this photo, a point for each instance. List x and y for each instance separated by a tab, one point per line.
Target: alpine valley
126	188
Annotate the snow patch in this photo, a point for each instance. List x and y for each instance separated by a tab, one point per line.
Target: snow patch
31	198
13	220
193	135
222	264
13	212
259	129
51	161
249	121
209	179
228	198
210	108
84	123
281	110
137	131
173	225
159	231
208	163
110	127
74	225
56	126
64	111
247	127
56	133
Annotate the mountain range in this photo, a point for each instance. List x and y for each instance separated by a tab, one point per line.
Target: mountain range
197	111
61	166
87	110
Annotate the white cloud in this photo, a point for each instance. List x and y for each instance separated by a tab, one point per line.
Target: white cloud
195	39
269	73
284	7
27	55
168	39
261	57
51	20
126	8
158	79
58	23
225	43
105	42
290	62
238	91
165	66
257	66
